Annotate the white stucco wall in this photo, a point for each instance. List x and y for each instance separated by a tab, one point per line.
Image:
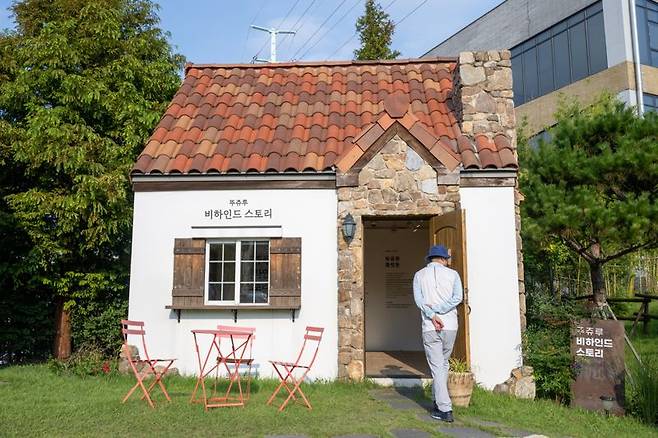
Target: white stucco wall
160	217
495	329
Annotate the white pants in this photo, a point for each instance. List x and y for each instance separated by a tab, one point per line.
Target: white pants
438	347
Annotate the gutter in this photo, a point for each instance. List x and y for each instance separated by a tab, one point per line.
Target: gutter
639	93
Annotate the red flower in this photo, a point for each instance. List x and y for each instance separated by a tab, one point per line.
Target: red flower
106	367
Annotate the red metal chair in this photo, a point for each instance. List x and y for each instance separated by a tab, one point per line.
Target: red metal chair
285	370
147	365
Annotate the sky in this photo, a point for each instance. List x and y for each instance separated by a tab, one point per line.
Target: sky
218	31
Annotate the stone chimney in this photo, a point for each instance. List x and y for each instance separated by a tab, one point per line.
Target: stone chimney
484	97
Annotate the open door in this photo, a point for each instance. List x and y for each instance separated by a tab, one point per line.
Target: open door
449	230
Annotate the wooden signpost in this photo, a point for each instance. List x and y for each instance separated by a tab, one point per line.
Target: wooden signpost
597	348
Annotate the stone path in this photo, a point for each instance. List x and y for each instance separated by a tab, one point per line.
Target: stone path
412	399
467	427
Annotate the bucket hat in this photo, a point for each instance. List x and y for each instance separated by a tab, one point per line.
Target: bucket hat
438	251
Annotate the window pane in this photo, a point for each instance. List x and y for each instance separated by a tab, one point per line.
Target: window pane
531	85
262	250
229	291
247	293
215	251
229	271
261	271
247	271
517	80
561	58
545	59
596	42
247	251
643	35
214	292
229	251
215	271
578	52
575	18
261	293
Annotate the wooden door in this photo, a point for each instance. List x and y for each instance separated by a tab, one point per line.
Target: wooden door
449	229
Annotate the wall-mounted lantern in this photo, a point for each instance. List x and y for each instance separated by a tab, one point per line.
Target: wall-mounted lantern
349	228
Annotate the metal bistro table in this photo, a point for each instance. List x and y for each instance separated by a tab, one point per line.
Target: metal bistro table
239	340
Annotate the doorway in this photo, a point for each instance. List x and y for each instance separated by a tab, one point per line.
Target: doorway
394	250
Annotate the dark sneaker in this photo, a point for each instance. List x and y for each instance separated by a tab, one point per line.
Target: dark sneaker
442	416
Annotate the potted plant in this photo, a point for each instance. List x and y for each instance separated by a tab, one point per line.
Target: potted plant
460	382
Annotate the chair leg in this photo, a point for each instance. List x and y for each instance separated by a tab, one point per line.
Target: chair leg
297	389
283	382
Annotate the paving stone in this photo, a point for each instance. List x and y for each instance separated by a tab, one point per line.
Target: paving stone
400	405
427	419
465	432
504	429
410	433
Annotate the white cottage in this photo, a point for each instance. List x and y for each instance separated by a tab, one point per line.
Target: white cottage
283	195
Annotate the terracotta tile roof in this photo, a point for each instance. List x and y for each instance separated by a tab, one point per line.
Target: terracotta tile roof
301	117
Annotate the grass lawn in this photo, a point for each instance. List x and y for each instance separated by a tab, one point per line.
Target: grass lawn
36	402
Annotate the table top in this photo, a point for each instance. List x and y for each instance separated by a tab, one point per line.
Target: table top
216	332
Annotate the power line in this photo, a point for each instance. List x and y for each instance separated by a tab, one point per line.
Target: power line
320	27
330	29
290	40
278	27
355	34
411	12
253	20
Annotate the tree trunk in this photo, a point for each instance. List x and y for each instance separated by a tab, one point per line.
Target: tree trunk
62	344
596	273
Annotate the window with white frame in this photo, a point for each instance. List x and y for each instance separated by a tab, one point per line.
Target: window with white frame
237	271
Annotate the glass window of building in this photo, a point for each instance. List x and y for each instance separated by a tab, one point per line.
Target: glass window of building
647	31
650	102
562	54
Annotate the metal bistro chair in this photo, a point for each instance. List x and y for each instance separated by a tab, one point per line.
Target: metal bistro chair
240	354
285	370
137	328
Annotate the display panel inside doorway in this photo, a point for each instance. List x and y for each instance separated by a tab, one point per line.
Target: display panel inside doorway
397	282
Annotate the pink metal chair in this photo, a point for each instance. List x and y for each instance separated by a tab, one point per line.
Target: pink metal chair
285	370
146	366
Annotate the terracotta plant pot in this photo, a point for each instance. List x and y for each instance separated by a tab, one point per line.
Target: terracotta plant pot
460	388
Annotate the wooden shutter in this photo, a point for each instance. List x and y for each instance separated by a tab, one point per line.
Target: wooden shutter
449	229
189	273
286	272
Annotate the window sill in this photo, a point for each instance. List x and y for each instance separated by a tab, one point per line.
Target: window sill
233	307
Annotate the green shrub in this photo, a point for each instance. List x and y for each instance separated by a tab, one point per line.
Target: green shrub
643	400
547	344
86	361
459	365
95	318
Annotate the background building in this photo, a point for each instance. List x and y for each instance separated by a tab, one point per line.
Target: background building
573	47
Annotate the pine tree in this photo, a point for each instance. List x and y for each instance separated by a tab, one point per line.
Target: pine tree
594	185
375	30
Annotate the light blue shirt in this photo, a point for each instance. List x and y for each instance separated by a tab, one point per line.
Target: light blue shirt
443	307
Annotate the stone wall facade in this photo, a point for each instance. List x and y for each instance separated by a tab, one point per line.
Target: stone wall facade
397	181
485	105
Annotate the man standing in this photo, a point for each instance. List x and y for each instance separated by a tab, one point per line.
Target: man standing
437	292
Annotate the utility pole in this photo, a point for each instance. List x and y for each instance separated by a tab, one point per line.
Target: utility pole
273	33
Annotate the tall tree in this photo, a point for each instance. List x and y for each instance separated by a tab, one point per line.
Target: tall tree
594	185
82	84
375	30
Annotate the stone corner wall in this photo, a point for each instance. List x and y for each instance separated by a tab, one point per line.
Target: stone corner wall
484	102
